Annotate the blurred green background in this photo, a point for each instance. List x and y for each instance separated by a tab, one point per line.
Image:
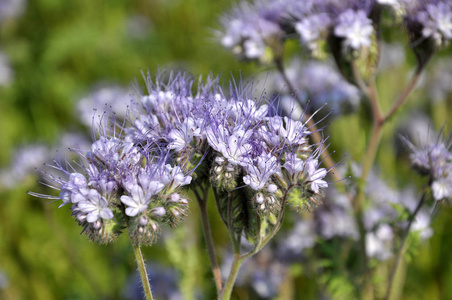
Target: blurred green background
58	51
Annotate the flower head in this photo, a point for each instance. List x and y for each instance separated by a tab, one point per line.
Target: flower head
355	28
118	184
430	20
435	160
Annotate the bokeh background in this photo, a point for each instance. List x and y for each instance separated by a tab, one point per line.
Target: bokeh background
59	58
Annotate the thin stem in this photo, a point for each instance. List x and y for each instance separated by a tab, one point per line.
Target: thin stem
316	136
368	161
358	79
229	285
375	103
202	202
143	274
403	97
402	247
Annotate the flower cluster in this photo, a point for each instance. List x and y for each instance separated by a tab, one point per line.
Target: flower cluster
346	24
118	184
430	20
239	142
250	29
383	220
435	160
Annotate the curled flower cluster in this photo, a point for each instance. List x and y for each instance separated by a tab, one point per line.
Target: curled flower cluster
350	28
244	149
435	160
250	29
430	20
119	185
255	160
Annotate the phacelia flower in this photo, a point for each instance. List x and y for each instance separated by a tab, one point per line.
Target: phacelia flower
430	20
118	184
435	160
355	28
252	28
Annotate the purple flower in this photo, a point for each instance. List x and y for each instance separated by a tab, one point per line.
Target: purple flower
260	171
430	20
313	29
434	159
119	184
250	28
95	206
136	202
437	21
355	27
315	175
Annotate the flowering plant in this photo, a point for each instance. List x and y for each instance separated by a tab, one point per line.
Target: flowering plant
255	150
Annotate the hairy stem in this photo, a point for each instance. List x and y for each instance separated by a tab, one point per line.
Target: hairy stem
369	159
142	270
402	247
202	202
229	285
316	136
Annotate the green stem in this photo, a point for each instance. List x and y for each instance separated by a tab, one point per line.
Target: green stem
402	98
143	274
202	202
402	247
369	159
229	285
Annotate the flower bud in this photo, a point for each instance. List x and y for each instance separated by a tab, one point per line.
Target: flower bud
174	197
158	212
143	220
272	188
97	224
259	198
219	160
